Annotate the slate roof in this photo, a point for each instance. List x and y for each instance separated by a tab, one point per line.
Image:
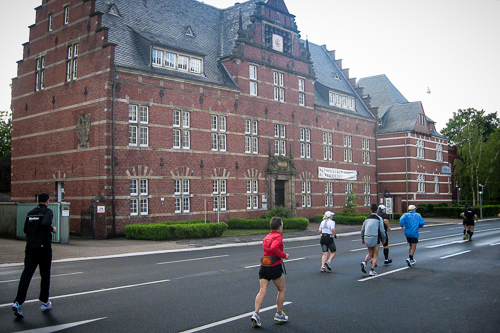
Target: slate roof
326	70
382	92
395	112
144	23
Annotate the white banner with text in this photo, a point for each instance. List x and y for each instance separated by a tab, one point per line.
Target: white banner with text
331	173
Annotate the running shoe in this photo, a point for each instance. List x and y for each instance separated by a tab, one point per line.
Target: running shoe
256	320
281	317
372	273
387	261
412	262
408	262
323	269
327	264
46	306
363	267
17	310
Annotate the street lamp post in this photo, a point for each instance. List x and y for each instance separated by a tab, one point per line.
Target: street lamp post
458	195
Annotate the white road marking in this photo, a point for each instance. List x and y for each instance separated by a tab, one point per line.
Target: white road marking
455	254
194	259
444	244
37	277
94	291
299	247
60	327
228	320
382	274
285	261
495	244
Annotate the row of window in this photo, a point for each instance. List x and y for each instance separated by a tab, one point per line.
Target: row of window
50	19
278	85
420	145
139	135
71	67
342	101
139	195
176	61
421	183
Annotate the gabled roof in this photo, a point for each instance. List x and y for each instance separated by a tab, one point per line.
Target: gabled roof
329	77
400	117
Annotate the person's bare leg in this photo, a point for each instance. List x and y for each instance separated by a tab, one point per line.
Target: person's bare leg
259	299
280	299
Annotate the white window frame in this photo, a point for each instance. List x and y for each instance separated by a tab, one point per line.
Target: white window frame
51	21
72	63
66	15
182	196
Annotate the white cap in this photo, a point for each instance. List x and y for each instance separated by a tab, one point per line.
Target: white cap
329	214
381	207
412	207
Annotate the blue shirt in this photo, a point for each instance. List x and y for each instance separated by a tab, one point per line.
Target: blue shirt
411	221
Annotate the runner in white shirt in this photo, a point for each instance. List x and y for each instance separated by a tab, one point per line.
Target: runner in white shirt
327	230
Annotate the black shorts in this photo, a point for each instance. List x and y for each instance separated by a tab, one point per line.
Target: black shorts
412	240
468	222
386	239
327	243
270	272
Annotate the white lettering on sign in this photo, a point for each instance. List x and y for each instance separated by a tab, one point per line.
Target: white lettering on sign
331	173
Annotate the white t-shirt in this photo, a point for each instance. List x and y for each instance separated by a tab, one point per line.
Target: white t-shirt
326	226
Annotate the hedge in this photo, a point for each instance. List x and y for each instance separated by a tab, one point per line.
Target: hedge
198	221
295	223
454	212
162	231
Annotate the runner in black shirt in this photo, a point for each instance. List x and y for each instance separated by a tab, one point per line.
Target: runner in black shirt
469	215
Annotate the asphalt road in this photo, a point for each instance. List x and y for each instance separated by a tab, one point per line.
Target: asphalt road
452	288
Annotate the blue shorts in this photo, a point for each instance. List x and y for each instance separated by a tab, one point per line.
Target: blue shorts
412	240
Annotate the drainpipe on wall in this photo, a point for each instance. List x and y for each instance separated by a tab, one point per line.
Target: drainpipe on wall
113	171
406	171
376	159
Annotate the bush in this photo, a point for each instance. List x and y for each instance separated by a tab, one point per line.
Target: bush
295	223
162	231
279	211
198	221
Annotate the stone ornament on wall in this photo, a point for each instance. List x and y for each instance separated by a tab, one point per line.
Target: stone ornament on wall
83	130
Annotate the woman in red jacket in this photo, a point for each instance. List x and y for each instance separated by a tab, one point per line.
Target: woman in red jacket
271	268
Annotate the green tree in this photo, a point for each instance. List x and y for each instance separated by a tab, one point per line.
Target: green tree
486	123
5	132
350	206
478	163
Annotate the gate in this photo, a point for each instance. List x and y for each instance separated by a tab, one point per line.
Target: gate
87	223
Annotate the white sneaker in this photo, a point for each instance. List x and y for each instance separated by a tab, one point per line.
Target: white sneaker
256	320
372	273
363	267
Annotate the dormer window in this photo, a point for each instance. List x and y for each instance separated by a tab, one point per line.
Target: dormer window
113	10
342	101
176	61
189	32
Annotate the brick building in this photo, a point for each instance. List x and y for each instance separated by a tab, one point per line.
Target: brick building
166	110
412	157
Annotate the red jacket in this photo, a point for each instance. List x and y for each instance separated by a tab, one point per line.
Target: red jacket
273	246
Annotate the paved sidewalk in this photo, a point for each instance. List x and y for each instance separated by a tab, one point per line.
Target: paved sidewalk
12	250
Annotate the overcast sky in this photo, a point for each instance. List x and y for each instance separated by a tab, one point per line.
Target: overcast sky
451	47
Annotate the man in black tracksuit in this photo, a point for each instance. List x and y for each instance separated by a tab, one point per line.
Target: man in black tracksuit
38	228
